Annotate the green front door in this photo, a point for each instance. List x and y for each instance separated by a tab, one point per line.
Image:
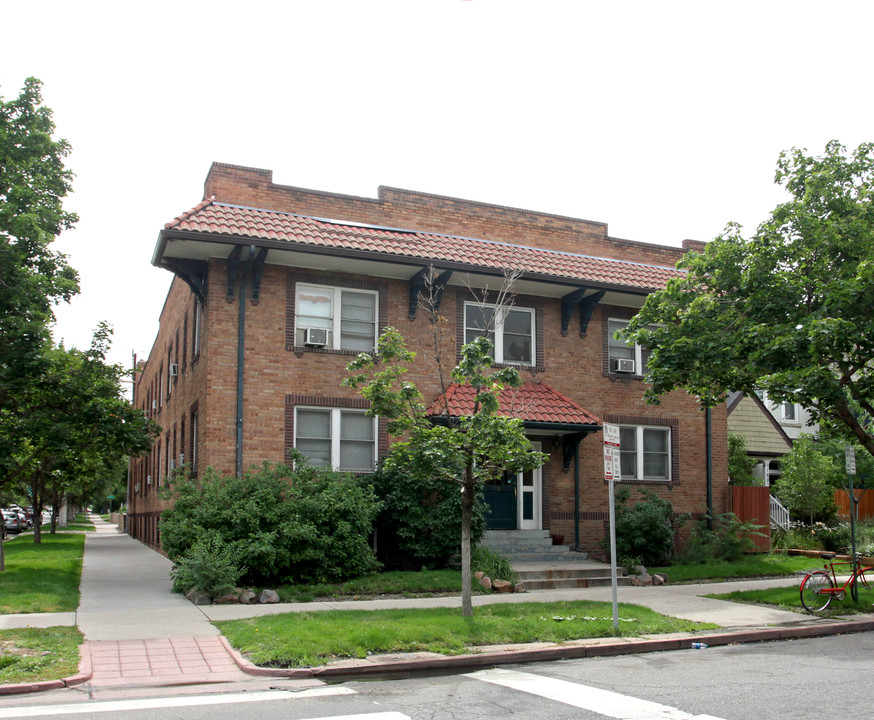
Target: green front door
500	497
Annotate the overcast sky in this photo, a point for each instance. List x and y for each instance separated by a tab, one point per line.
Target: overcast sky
662	119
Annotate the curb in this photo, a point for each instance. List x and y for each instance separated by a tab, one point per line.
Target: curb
84	674
455	663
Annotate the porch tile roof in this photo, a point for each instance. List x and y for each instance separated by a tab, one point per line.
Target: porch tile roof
215	218
533	402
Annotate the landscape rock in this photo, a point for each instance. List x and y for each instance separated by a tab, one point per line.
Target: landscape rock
485	583
642	579
478	575
248	597
502	586
520	587
227	599
268	597
659	579
199	597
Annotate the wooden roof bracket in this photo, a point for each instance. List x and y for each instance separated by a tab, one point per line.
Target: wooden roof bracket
418	283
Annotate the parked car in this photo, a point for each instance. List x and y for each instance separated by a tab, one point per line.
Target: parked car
13	522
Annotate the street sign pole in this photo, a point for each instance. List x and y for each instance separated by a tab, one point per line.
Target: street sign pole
611	470
850	456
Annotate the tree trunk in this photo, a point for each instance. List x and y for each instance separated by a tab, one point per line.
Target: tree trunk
467	498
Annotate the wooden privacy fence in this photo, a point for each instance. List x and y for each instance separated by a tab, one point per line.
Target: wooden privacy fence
753	504
864	500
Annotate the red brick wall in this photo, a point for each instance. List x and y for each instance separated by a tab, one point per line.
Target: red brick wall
412	210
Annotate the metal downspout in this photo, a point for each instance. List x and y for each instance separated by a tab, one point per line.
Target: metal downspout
241	337
577	497
709	426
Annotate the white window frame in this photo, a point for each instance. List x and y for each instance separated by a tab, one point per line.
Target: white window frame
335	332
336	415
785	416
499	332
639	353
639	450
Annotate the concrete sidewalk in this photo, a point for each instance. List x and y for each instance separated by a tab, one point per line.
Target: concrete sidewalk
139	633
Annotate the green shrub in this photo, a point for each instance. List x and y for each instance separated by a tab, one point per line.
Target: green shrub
492	564
795	538
728	539
208	565
644	530
740	465
283	525
420	519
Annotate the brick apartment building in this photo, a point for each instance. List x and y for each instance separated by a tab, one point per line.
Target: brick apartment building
276	288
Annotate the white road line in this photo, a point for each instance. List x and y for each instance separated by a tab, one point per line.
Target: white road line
171	702
603	702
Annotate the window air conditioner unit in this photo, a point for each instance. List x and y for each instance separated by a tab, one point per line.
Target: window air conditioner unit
148	479
622	365
174	370
154	404
316	336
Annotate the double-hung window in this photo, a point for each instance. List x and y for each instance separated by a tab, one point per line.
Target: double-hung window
338	318
336	437
511	330
624	357
645	452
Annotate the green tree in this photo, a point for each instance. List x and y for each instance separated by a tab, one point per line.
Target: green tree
73	424
33	184
740	465
787	311
809	477
468	450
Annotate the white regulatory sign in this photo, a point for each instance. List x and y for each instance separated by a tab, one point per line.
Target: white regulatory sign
850	454
611	434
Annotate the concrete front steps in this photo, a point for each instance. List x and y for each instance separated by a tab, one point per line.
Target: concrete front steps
544	566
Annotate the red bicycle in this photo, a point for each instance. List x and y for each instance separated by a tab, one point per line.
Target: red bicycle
820	586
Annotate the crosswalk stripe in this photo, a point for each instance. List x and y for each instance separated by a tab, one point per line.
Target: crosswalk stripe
173	702
603	702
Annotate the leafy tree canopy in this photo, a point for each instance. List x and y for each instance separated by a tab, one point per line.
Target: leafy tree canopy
71	425
789	310
33	184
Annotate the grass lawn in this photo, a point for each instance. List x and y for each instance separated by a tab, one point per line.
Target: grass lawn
789	599
404	584
310	639
43	577
759	565
34	654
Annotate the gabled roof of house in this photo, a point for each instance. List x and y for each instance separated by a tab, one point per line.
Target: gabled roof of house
212	218
534	402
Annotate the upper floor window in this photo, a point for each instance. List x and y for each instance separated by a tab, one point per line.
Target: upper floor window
789	412
338	438
645	452
338	318
511	331
624	357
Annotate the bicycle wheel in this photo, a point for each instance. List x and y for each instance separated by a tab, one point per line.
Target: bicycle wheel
812	596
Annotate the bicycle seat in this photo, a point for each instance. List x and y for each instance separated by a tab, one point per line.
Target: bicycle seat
827	556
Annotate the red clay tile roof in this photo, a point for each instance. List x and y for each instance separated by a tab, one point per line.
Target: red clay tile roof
216	218
533	402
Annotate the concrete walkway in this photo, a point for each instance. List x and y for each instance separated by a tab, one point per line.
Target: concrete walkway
139	633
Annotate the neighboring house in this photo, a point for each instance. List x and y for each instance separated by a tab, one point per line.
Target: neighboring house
793	418
276	288
766	439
